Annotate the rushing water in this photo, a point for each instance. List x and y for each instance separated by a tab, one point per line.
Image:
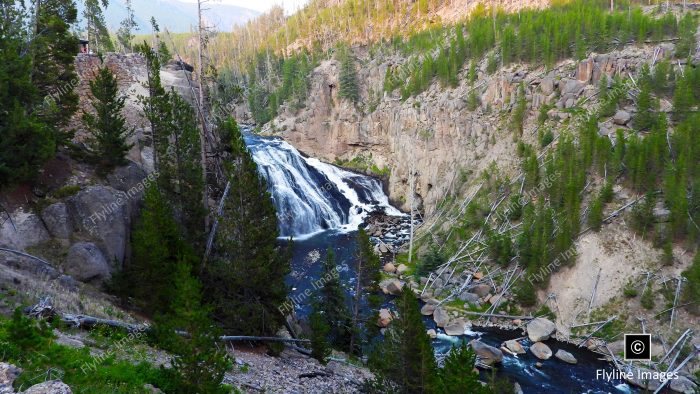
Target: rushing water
322	206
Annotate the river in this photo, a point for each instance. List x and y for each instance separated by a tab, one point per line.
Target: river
322	206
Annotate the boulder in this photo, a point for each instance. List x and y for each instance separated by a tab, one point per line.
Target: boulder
86	263
541	351
8	374
547	85
621	117
517	389
540	329
401	269
49	387
391	286
441	317
481	290
639	378
489	355
130	179
584	71
389	268
431	333
565	356
495	300
23	231
385	318
57	221
427	309
102	213
683	385
469	297
478	275
457	327
571	86
515	347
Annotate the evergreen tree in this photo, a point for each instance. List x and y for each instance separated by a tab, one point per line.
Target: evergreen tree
430	261
687	28
332	304
98	35
53	51
518	116
197	358
368	276
125	33
245	279
405	357
320	346
457	376
646	104
27	142
348	77
691	290
107	124
595	214
683	99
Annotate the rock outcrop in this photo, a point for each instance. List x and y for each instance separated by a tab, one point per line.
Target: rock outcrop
540	329
487	354
86	263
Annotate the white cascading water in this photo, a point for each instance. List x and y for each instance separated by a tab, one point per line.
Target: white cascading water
312	196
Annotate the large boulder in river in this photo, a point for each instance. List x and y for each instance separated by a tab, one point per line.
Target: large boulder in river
540	329
565	356
86	263
427	309
457	327
487	354
515	346
441	317
541	351
102	213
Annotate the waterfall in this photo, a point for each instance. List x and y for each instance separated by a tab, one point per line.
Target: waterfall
311	196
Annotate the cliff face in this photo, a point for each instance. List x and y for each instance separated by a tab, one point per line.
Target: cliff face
435	133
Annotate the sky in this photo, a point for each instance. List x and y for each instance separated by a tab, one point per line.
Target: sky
261	5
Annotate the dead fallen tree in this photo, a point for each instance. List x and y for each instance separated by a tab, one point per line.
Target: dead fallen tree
45	310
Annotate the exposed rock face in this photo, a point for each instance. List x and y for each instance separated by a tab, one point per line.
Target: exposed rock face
489	355
102	213
49	387
57	221
565	356
28	230
541	351
540	329
86	263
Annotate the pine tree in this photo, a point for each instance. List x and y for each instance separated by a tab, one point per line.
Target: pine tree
125	33
646	104
687	28
320	346
200	363
595	214
682	99
245	280
518	116
691	291
53	51
406	357
27	142
98	35
332	304
457	375
349	89
107	125
368	276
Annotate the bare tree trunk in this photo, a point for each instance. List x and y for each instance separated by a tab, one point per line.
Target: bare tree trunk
356	306
202	97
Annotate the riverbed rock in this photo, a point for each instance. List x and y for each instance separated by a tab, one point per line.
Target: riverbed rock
385	318
427	309
457	327
489	355
389	268
431	333
683	385
481	290
441	317
541	351
565	356
622	117
469	297
515	347
401	269
540	329
391	286
517	389
86	263
49	387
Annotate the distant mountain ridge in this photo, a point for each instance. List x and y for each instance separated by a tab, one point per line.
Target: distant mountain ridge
176	16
